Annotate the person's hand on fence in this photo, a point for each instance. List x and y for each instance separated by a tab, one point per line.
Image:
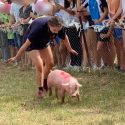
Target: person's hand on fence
102	36
111	22
22	21
122	23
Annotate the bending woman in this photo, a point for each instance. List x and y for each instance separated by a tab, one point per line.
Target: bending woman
37	39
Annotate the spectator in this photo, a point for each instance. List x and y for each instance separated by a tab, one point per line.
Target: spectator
115	13
69	15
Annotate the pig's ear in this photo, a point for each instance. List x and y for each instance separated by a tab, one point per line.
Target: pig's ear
79	85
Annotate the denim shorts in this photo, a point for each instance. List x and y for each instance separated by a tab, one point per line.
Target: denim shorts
58	40
118	34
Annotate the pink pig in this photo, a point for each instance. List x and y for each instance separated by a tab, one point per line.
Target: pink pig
63	82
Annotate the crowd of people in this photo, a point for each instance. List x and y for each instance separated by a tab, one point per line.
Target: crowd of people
87	33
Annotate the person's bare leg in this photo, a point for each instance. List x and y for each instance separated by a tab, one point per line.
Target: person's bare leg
63	52
92	46
119	51
47	56
54	55
99	53
58	55
38	62
84	58
123	53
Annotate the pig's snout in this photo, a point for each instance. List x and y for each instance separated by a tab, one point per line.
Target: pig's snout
76	93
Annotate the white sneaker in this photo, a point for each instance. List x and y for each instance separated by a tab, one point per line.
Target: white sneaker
68	67
95	68
76	68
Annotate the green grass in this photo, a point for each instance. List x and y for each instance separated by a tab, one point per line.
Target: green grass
102	100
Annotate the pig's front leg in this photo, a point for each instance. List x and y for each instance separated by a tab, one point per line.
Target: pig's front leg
56	93
78	98
62	96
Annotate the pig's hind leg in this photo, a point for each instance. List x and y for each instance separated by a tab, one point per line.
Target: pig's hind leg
56	93
62	96
50	91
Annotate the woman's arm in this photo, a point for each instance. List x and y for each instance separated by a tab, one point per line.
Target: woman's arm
68	46
118	13
20	52
23	48
105	13
123	16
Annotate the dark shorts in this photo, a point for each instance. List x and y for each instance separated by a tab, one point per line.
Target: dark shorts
30	48
36	46
11	42
107	39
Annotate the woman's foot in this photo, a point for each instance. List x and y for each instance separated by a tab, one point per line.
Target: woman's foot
41	94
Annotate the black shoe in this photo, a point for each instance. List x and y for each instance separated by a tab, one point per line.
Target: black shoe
117	68
45	86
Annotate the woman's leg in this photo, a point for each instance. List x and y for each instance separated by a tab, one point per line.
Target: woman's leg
57	55
123	53
99	53
106	52
38	62
63	54
47	56
92	46
119	51
54	54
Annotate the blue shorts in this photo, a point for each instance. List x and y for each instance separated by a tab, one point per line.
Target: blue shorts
58	40
118	34
11	42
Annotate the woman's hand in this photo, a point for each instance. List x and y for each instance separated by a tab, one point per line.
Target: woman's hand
11	59
111	22
21	21
97	21
102	36
73	52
